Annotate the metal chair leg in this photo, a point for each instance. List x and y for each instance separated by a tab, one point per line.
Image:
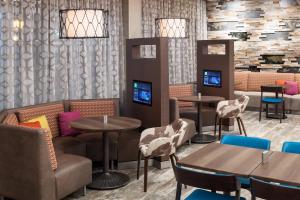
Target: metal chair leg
220	128
239	125
138	165
260	110
243	126
216	122
145	174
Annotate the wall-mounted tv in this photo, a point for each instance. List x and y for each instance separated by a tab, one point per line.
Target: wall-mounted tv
212	78
142	92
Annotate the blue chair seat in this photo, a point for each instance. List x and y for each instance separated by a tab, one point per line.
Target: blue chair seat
272	100
200	194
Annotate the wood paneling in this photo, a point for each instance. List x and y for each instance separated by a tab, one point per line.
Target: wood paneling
260	27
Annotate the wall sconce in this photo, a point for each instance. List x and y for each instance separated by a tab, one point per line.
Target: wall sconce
83	23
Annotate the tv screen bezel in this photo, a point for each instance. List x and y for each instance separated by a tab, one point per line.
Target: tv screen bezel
219	71
138	102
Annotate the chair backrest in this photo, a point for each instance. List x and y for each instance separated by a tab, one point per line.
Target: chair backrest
291	147
271	191
213	182
251	142
243	101
275	89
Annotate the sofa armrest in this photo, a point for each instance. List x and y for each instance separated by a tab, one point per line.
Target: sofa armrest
174	109
25	170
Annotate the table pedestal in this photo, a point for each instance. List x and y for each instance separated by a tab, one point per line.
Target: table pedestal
201	138
108	179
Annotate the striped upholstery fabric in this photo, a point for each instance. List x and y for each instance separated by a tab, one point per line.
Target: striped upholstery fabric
51	111
258	79
94	108
11	119
182	90
48	139
297	79
241	81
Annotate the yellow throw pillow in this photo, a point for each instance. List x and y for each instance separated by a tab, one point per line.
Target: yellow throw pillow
43	121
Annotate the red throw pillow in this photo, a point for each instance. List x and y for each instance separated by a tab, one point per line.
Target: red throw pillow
280	82
291	88
64	123
36	124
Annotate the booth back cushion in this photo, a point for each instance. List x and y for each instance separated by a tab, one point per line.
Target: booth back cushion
51	111
182	90
257	79
297	79
94	108
11	119
241	81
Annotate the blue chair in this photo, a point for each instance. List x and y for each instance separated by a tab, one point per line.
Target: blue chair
266	190
291	147
207	184
251	142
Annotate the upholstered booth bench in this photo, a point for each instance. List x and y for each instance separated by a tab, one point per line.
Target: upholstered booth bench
249	83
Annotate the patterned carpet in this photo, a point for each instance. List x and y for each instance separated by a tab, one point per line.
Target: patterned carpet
161	183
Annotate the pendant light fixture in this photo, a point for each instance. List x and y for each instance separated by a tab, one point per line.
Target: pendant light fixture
171	27
83	23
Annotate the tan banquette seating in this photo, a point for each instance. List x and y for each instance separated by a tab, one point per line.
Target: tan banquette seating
24	166
248	83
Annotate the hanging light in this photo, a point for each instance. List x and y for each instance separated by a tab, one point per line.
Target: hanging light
172	27
83	23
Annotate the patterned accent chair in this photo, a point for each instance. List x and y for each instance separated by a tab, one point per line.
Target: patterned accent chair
159	141
231	109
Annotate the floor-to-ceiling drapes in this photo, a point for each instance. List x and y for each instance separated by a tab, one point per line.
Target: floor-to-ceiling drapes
36	66
182	52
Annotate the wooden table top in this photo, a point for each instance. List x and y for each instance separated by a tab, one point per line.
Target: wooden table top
281	167
203	99
224	159
94	124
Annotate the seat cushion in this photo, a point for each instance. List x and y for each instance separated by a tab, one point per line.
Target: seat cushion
200	194
182	90
73	173
69	145
50	110
94	145
272	100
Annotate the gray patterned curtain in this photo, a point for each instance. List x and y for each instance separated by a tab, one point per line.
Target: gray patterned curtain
182	52
36	66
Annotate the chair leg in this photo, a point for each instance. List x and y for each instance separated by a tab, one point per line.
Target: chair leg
243	126
282	112
239	125
138	165
216	122
267	110
84	191
260	110
220	128
178	191
145	174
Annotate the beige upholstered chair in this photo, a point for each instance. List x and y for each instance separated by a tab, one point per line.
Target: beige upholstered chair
159	141
231	109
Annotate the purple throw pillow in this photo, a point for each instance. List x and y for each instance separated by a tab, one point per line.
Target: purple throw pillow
291	87
64	123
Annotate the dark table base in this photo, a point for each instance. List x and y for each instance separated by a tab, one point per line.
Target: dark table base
276	116
203	139
110	180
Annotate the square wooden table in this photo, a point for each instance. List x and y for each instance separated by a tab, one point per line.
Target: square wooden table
281	167
223	158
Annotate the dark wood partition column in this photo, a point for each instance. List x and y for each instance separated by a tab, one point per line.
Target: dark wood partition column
153	70
224	63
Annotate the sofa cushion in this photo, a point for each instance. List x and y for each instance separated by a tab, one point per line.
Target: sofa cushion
50	110
94	108
241	81
73	173
291	88
11	119
182	90
36	124
64	123
69	145
257	79
94	145
41	119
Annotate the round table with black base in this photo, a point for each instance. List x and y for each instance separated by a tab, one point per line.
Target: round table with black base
107	179
201	138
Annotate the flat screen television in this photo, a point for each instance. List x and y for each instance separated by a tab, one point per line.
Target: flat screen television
212	78
142	92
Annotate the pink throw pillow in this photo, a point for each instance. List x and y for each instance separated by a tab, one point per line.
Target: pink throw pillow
291	87
64	123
